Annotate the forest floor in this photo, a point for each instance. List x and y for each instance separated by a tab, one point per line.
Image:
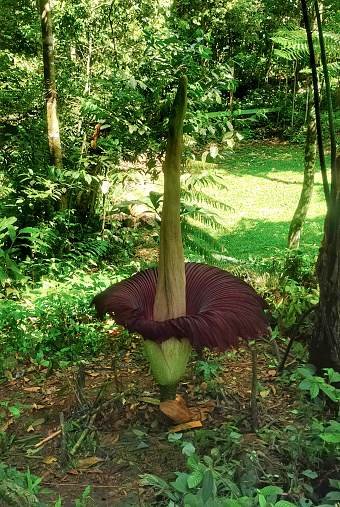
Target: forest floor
129	435
117	413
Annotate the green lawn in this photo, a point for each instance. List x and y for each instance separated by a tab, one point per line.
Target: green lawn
263	187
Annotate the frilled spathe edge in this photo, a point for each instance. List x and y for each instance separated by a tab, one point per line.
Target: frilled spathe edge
220	308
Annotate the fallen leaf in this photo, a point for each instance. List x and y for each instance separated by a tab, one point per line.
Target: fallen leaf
176	410
147	399
272	373
93	374
49	459
37	407
32	389
30	428
89	462
263	394
273	389
73	472
186	426
38	422
5	426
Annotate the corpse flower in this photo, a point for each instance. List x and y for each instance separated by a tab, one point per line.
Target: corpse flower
178	306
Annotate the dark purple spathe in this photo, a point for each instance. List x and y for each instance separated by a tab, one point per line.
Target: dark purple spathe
220	308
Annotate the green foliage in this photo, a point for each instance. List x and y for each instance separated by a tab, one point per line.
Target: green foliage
210	368
19	489
210	483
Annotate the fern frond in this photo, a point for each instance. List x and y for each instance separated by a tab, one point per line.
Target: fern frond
203	179
200	197
200	242
199	165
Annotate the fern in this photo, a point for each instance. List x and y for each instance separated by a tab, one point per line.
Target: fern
293	45
199	197
92	251
200	242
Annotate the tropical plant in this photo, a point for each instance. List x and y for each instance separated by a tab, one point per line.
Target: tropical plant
177	306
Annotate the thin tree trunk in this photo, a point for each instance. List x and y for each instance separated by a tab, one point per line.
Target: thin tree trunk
308	182
51	90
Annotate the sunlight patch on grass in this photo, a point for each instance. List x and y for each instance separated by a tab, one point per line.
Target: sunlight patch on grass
263	188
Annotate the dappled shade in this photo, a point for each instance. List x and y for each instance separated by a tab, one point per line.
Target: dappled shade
219	308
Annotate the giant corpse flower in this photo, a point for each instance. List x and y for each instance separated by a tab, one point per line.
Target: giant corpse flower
178	306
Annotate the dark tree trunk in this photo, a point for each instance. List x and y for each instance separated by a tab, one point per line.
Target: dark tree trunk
325	343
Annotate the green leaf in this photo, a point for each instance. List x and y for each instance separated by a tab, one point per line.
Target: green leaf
332	438
270	490
284	503
153	480
88	178
262	501
195	478
314	390
188	449
12	232
193	461
5	222
334	496
310	474
208	486
181	483
14	411
3	274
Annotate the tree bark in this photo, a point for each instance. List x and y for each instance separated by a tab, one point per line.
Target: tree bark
51	90
308	181
324	349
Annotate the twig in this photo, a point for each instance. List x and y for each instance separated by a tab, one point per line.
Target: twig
83	435
47	439
63	450
294	335
80	383
276	349
114	367
253	402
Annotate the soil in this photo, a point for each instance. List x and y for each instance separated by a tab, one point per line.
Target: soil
128	434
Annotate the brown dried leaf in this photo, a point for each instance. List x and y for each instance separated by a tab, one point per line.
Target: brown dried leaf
89	462
176	410
186	426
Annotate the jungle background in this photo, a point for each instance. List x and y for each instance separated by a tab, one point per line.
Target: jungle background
83	212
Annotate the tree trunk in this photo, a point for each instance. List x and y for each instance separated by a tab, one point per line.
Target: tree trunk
51	91
308	182
325	343
324	349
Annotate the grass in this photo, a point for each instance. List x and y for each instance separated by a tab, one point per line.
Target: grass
263	188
